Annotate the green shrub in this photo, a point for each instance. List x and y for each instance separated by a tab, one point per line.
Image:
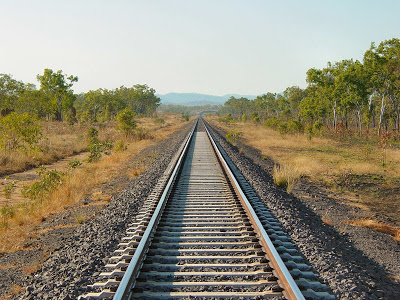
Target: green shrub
272	123
74	163
49	181
244	118
20	132
255	117
93	133
317	126
120	146
96	147
9	187
233	136
227	119
95	150
282	127
6	212
126	120
294	126
160	121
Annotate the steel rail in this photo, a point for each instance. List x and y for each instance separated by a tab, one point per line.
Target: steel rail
128	281
291	290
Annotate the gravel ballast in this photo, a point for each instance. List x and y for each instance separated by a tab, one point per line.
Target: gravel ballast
69	269
344	260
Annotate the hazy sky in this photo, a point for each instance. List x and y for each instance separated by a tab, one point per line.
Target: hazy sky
215	47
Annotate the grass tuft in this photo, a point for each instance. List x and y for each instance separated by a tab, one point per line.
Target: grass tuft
286	176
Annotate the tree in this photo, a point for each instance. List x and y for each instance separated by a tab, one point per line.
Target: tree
34	102
19	132
10	90
140	98
58	86
324	83
351	85
294	96
383	63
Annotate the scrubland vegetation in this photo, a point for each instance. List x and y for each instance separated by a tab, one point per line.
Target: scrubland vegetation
41	126
342	131
57	189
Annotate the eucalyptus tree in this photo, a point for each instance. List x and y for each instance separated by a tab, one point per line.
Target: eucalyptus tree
58	86
140	98
382	63
237	106
294	96
10	89
314	107
351	86
323	86
267	104
34	102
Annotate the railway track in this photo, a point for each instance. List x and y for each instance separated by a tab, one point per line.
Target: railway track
204	233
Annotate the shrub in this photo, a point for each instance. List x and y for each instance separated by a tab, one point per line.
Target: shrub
7	212
233	136
120	146
96	147
9	187
20	132
294	126
244	118
272	123
282	127
74	163
317	126
160	121
126	121
228	119
255	117
48	182
93	133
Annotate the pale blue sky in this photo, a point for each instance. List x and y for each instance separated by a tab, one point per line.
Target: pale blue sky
215	47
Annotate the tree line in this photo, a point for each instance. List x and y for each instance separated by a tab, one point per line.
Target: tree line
346	94
55	99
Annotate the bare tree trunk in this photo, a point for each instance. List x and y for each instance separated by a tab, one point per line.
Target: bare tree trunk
383	105
334	116
396	109
359	118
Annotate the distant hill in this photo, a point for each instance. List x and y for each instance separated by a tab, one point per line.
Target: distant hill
193	99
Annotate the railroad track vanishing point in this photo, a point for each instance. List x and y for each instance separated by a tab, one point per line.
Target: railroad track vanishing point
205	234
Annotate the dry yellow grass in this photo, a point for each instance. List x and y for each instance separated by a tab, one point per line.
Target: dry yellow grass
315	157
286	176
353	169
79	182
61	141
378	226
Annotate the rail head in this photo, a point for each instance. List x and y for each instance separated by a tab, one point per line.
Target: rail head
291	290
128	281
